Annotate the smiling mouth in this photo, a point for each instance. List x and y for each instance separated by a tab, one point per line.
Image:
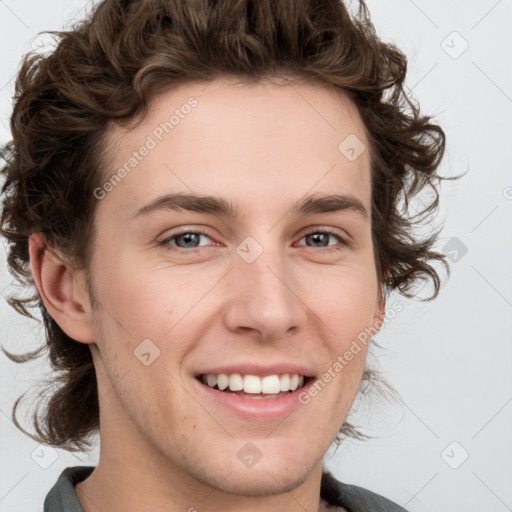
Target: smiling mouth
253	386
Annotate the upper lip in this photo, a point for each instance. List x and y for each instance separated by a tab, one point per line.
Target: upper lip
260	370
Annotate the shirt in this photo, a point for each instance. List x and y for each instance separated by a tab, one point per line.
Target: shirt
62	496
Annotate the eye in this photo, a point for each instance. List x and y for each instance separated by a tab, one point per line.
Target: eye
185	239
188	241
322	236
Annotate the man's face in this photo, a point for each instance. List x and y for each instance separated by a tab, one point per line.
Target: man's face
245	292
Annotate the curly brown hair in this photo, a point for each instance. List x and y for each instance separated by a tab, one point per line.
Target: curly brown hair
108	67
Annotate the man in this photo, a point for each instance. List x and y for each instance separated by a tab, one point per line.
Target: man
207	198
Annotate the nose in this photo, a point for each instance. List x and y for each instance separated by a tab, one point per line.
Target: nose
264	297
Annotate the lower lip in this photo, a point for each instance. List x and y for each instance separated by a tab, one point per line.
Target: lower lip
256	409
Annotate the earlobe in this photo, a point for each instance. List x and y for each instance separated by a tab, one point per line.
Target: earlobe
380	311
67	303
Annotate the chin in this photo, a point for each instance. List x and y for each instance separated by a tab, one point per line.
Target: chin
262	481
275	469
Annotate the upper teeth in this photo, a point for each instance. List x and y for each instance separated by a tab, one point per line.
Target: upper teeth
271	384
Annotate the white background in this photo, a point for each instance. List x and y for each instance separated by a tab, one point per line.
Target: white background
449	359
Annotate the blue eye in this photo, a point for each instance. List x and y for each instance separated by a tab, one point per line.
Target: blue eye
189	241
320	236
189	238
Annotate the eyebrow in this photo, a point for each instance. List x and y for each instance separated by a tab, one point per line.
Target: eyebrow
333	203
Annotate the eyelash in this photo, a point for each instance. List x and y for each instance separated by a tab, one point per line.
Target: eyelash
343	243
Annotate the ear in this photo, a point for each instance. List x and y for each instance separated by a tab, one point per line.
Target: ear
62	290
380	310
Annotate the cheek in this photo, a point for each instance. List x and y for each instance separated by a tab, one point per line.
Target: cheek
346	306
145	302
345	299
148	302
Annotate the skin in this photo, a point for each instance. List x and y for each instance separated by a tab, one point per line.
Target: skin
263	146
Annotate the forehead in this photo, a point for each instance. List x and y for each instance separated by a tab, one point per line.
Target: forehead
239	139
